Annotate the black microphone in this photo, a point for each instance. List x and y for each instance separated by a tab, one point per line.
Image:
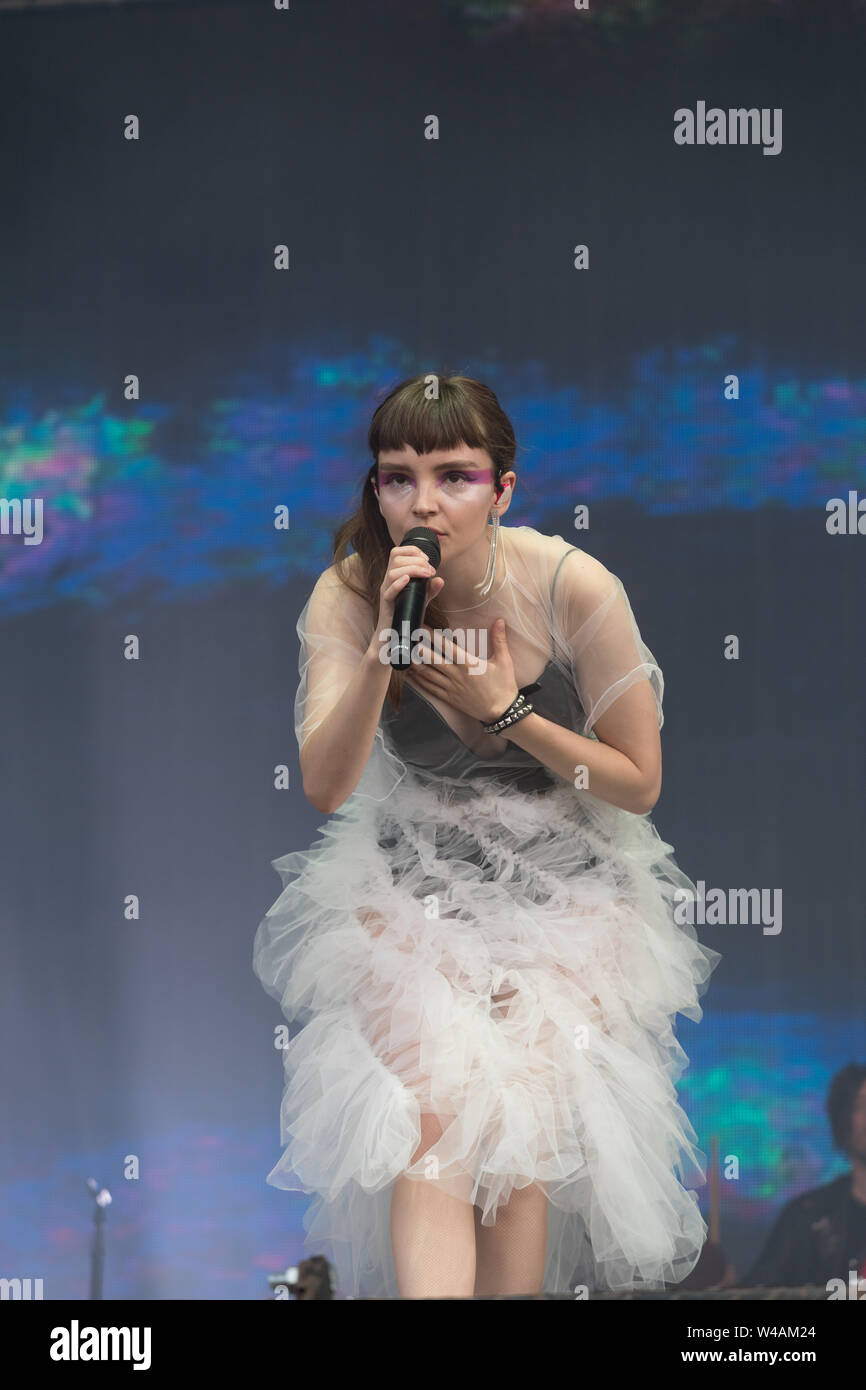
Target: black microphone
411	601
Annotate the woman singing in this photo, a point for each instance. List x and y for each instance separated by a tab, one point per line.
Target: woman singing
480	952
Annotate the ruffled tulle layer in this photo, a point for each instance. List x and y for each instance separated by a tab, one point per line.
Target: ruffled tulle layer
509	964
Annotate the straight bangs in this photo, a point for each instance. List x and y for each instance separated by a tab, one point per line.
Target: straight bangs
409	417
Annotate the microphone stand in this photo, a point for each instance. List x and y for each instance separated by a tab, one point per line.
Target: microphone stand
101	1201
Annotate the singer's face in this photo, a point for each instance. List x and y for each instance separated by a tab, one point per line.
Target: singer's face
450	490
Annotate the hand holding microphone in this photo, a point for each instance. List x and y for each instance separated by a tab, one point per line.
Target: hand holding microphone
409	585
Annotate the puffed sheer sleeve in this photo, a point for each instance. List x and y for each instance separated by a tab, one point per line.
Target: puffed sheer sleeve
334	631
593	620
334	628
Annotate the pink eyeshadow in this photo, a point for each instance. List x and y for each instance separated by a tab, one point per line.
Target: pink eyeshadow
481	476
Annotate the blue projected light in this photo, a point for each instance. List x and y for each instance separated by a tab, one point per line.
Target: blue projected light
122	513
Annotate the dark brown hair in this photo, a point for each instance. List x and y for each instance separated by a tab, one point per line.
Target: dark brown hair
840	1102
464	412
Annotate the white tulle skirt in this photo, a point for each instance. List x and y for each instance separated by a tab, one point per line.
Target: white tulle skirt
509	963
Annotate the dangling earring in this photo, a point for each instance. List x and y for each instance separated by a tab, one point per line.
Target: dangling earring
487	582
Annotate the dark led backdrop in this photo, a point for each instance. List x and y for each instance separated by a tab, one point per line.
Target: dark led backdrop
182	425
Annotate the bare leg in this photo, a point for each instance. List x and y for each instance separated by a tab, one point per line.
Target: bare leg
432	1232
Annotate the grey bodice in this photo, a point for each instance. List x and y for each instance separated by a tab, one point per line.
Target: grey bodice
423	738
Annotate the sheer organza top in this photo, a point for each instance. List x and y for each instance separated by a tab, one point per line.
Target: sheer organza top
569	625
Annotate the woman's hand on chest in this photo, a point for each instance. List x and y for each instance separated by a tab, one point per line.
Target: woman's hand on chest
480	686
